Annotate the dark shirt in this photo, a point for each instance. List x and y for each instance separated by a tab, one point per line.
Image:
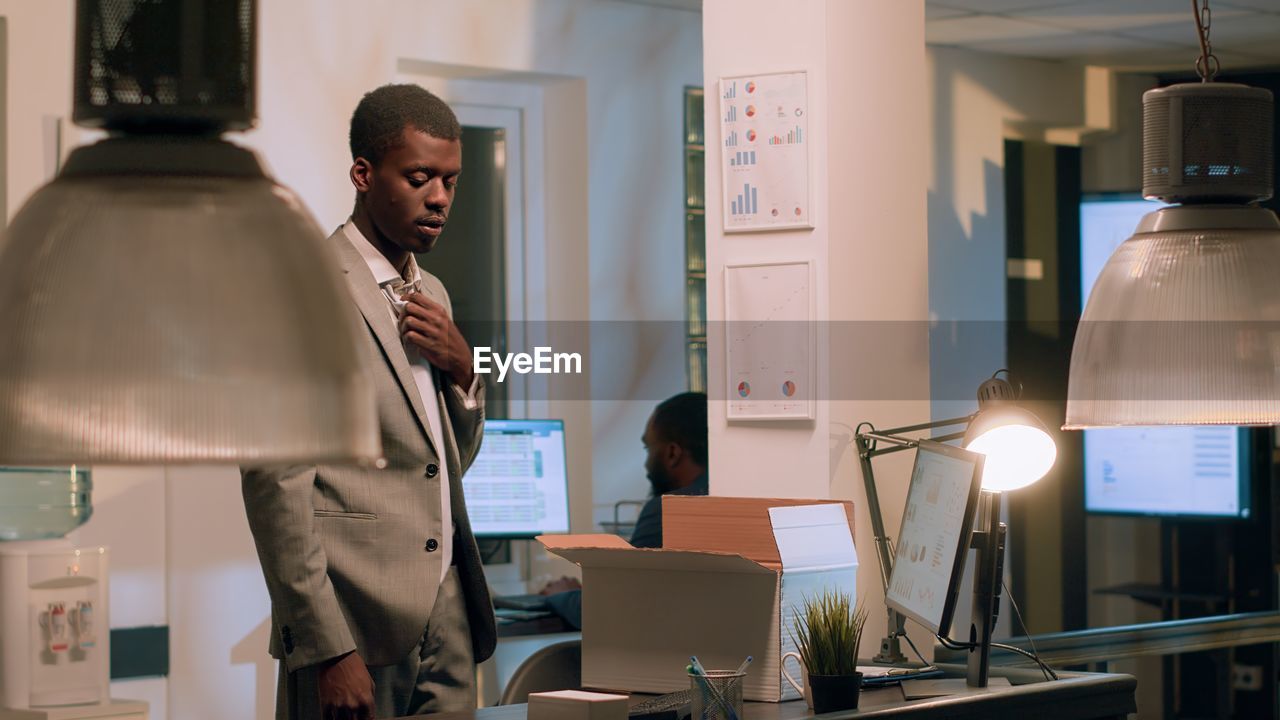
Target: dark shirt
648	534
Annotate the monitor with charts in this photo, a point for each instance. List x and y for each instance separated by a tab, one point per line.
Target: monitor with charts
1173	471
518	486
933	541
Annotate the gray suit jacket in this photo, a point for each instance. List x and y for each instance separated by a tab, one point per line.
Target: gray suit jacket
350	554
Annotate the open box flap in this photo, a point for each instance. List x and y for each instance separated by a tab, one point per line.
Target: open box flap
741	526
584	540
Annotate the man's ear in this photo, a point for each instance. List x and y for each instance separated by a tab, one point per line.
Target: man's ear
362	174
673	454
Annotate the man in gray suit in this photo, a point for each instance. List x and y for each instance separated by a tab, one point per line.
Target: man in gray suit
378	599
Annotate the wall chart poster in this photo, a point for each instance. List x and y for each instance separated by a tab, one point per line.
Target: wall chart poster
769	341
764	136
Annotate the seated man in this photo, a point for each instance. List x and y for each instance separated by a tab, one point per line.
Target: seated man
675	443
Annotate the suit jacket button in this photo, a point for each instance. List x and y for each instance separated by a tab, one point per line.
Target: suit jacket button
432	470
432	545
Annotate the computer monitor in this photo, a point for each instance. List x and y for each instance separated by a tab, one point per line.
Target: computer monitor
518	486
1183	471
1192	471
934	537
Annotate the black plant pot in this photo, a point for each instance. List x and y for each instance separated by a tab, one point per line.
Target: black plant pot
835	692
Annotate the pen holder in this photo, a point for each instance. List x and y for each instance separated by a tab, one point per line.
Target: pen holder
717	695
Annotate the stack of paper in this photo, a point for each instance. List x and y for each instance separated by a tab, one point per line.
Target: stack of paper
577	705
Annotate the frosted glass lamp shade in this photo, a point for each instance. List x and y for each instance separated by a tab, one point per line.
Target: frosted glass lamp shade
169	303
1183	324
1017	446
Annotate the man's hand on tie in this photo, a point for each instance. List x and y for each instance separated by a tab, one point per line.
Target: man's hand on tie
426	327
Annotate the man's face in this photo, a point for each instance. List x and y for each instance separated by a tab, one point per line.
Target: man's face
657	451
411	190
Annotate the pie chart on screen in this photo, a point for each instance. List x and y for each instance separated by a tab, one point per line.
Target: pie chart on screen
788	389
744	389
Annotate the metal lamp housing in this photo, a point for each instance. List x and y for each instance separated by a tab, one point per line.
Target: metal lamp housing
1017	445
162	300
1182	326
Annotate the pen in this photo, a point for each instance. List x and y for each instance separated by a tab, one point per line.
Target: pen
706	683
743	667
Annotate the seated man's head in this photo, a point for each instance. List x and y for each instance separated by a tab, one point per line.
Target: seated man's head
675	440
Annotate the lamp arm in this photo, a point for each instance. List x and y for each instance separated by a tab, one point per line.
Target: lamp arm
884	553
898	444
890	652
925	426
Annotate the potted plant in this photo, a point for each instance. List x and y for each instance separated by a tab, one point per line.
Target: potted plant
827	632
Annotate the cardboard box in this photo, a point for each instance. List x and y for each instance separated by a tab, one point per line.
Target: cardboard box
727	584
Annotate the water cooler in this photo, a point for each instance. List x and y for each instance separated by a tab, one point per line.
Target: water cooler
55	644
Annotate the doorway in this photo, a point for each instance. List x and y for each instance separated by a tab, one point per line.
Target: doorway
470	258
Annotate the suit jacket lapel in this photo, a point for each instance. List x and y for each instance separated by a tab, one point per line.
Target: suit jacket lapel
373	306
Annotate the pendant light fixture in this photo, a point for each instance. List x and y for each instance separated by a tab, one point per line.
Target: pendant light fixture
162	299
1183	324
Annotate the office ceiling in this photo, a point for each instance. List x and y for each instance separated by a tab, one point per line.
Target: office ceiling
1123	34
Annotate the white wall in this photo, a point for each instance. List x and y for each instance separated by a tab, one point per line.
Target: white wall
611	186
976	102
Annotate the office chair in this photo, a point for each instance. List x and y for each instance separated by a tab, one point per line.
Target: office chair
554	667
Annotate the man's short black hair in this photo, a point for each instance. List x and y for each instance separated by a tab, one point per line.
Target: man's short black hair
682	419
383	114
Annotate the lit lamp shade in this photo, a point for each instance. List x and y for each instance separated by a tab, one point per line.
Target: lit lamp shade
169	303
1183	324
1017	446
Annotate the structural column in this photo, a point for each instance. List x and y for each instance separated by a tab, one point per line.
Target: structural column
867	131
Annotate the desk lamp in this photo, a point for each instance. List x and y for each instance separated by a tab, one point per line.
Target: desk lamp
162	299
1019	451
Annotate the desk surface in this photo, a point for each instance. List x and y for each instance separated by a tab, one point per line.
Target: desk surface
1077	696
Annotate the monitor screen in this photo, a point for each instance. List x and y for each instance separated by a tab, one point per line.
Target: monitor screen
1196	470
934	538
518	487
1193	471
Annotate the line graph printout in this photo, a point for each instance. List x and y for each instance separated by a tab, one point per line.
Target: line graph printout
764	156
769	341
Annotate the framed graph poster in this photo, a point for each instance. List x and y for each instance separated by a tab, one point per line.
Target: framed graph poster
769	341
764	153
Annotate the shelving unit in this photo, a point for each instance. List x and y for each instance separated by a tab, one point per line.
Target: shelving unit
695	243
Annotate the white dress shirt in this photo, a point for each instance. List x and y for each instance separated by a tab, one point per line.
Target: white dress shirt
392	285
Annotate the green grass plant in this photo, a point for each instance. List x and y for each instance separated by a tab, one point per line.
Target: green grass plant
827	632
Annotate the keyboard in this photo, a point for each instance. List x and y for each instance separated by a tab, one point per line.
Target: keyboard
672	706
521	602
